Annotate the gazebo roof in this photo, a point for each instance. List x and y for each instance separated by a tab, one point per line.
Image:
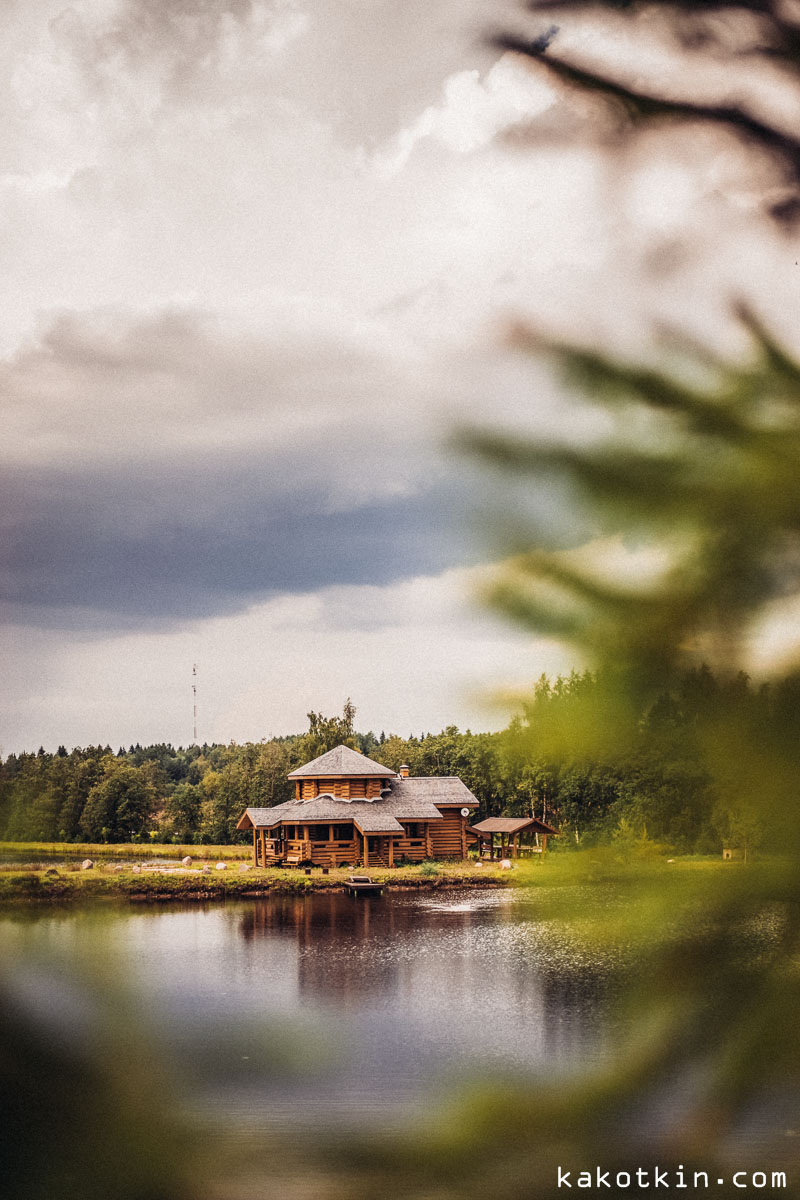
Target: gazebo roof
342	761
512	825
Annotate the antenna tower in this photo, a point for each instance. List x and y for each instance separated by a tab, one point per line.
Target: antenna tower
194	703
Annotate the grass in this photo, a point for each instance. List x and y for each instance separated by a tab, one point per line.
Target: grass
33	851
40	882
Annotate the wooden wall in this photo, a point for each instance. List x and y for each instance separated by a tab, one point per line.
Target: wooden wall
342	789
439	839
414	849
448	835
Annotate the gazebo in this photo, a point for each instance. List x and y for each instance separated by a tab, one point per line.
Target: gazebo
517	836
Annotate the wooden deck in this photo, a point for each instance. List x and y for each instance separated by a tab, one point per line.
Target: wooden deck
440	839
359	885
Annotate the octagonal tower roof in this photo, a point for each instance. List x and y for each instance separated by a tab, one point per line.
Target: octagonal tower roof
344	762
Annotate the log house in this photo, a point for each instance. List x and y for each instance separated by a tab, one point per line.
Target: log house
349	810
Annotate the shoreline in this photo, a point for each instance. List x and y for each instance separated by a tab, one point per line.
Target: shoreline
42	886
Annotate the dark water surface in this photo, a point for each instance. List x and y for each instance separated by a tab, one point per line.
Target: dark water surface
280	1009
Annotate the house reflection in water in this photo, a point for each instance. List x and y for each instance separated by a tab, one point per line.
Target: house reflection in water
462	974
341	943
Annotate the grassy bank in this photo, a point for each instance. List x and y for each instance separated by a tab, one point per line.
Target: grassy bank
51	872
34	851
106	881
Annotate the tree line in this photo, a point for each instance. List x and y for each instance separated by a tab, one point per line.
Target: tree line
670	770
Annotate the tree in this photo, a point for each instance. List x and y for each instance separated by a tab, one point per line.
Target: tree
120	806
701	474
181	817
325	733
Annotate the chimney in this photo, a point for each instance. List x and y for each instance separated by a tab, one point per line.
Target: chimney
404	770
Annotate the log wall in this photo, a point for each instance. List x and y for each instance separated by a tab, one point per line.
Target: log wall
448	836
342	789
440	839
414	849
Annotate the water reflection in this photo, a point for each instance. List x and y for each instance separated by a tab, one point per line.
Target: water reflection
452	979
301	1010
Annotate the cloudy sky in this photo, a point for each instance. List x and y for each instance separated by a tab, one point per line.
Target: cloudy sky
257	258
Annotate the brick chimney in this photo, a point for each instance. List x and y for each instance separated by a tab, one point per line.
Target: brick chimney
404	770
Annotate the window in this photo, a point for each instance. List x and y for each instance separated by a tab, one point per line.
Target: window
343	833
414	829
318	833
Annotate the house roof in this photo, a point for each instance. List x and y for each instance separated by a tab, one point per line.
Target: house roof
370	821
511	825
341	761
441	790
379	816
412	799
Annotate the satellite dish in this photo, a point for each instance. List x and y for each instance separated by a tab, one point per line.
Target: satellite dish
465	812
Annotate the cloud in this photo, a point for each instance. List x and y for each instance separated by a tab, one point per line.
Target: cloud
472	112
250	252
163	468
414	655
144	54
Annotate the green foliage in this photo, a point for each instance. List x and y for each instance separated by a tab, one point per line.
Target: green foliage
325	733
704	478
120	805
697	480
581	754
89	1116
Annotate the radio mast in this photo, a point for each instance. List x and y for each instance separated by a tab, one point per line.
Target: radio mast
194	703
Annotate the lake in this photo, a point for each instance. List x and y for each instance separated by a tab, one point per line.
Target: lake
282	1023
279	1009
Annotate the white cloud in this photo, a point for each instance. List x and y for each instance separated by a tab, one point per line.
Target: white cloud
412	657
472	112
207	262
111	386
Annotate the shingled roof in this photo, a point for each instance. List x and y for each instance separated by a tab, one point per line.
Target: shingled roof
443	790
378	816
511	825
412	799
341	761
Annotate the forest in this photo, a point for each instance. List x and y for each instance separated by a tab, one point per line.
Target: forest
667	772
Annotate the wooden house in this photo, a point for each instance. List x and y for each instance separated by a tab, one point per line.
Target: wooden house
349	809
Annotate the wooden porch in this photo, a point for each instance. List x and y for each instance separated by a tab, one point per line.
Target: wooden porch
273	848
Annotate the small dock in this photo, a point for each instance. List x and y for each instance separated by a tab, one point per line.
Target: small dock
363	884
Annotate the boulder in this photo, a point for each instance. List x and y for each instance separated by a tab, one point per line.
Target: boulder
505	864
87	864
206	869
222	866
244	866
187	861
136	869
